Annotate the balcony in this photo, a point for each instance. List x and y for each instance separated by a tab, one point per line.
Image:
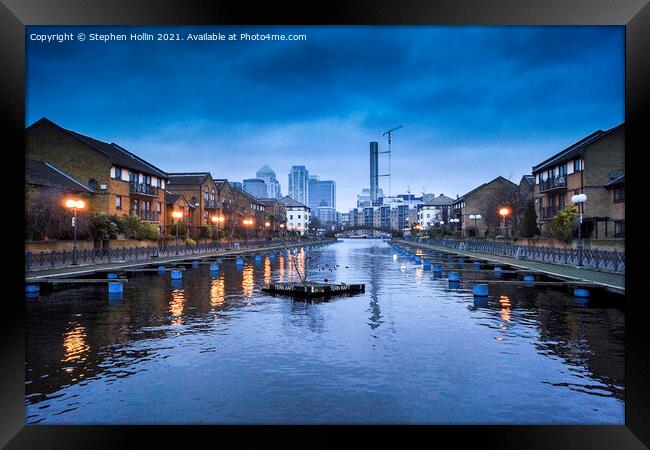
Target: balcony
143	189
553	184
212	204
548	212
149	216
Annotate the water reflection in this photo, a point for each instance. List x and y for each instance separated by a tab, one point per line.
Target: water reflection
383	350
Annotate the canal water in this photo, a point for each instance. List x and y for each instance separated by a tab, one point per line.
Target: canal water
213	348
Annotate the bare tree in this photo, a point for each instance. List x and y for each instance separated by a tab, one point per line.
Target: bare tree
311	255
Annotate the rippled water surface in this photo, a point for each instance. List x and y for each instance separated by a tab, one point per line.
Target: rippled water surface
214	349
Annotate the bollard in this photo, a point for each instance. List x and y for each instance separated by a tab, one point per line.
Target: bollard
454	276
480	290
115	287
177	274
529	278
214	267
581	293
480	302
111	275
32	288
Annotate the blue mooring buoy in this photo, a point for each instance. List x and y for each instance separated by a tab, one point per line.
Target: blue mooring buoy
481	290
454	276
498	271
32	288
437	267
214	267
529	278
161	269
115	287
581	293
476	265
195	264
111	275
239	261
176	274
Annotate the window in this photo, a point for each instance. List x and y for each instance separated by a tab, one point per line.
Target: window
159	207
118	202
118	173
562	200
147	180
298	216
619	195
577	165
291	217
619	228
562	170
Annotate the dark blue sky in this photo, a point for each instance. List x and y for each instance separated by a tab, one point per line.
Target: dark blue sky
477	102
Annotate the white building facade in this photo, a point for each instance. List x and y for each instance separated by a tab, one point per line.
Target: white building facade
297	215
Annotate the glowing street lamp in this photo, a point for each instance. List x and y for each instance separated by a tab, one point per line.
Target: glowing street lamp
74	205
178	216
503	212
248	223
579	200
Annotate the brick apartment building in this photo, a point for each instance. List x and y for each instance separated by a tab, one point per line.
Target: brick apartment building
123	183
200	191
589	166
486	201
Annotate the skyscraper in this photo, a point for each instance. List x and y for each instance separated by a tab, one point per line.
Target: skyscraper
321	193
298	184
255	187
374	171
273	189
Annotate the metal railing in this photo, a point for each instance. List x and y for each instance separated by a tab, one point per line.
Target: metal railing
552	183
47	260
151	216
605	260
142	188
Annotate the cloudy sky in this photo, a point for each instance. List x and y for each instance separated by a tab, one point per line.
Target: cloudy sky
476	102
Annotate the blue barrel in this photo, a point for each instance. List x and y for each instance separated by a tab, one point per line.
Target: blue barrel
177	274
214	266
498	271
111	275
427	264
581	293
437	268
272	256
115	287
239	261
195	264
481	290
461	260
454	276
32	288
476	265
258	259
161	269
529	278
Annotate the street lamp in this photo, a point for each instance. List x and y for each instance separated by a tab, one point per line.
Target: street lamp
74	205
217	220
475	217
579	200
503	212
248	223
177	215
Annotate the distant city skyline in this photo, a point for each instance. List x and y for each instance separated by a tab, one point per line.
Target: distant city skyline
476	102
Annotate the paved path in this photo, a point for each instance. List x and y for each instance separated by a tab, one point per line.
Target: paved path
85	269
614	282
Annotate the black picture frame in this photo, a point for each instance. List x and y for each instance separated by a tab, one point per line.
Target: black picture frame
633	14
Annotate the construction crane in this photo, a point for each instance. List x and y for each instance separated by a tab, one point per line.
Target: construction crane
390	140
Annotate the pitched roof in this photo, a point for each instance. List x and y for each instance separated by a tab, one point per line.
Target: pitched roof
288	202
246	194
530	179
440	200
618	181
117	154
188	178
43	173
574	150
463	197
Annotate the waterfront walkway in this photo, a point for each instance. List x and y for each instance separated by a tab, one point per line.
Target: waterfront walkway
86	269
614	282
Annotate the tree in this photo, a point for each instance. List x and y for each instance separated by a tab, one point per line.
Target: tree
103	226
314	224
563	225
529	226
310	255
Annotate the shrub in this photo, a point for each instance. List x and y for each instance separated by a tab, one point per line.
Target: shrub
182	230
129	226
103	227
562	226
148	230
190	242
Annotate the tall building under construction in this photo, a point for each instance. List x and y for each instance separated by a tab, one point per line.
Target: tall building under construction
374	172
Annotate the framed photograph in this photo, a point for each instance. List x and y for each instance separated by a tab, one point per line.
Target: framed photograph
408	216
